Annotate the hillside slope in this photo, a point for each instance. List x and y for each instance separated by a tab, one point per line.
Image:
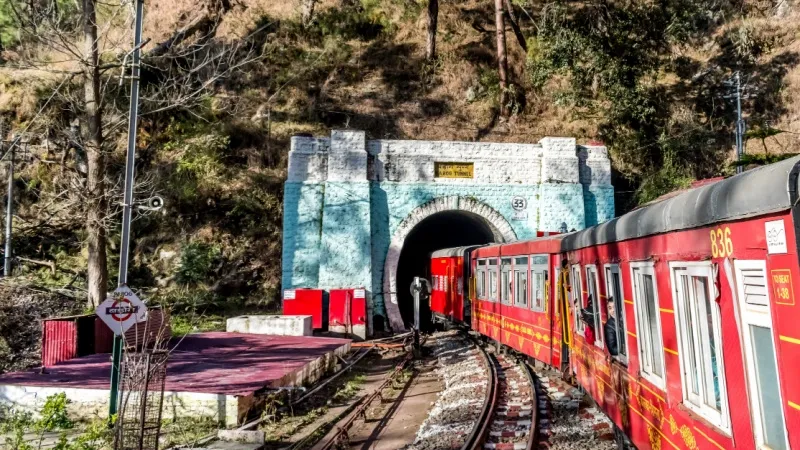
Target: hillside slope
645	78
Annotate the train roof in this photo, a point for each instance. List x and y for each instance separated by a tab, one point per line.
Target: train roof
757	192
453	251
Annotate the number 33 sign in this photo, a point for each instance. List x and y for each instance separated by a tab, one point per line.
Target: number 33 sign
519	203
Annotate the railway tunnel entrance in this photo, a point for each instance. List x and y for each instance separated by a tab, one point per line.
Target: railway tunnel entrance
350	203
443	222
441	230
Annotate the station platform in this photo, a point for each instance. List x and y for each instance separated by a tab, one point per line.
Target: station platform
208	374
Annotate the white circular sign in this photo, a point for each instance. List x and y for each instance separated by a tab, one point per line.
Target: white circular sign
519	203
122	310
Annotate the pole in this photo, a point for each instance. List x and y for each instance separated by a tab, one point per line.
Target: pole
739	124
127	202
9	212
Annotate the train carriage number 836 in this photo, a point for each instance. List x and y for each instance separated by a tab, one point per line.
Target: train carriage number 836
721	244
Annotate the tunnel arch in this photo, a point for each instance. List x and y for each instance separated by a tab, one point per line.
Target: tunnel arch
469	207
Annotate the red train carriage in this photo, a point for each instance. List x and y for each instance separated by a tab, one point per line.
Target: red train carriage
706	341
679	318
513	296
448	289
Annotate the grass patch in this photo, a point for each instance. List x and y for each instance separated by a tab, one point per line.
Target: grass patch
350	388
183	325
287	426
186	431
338	392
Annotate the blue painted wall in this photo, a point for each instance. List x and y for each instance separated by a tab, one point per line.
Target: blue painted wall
337	233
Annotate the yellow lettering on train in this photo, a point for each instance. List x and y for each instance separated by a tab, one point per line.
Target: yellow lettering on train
721	243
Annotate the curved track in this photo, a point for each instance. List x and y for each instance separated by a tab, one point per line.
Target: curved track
507	420
481	428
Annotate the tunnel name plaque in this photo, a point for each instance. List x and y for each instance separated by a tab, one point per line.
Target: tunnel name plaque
453	169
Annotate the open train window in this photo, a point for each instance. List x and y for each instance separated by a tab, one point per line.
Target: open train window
481	278
505	279
577	297
648	323
614	295
697	318
593	303
539	283
521	282
492	267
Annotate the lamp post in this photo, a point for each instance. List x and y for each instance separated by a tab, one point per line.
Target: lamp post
127	201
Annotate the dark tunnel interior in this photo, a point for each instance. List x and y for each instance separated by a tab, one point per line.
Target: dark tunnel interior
441	230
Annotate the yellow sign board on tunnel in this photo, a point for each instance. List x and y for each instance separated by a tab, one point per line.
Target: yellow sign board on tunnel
453	169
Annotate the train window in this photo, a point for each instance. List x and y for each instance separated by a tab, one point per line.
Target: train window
481	278
761	365
493	280
614	293
577	302
539	260
521	282
699	340
505	274
593	303
648	323
539	282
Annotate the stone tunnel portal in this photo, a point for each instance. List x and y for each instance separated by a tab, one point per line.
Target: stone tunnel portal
441	230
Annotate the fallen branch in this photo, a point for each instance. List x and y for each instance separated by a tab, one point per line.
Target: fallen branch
40	262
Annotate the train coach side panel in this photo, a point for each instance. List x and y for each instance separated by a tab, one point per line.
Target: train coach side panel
438	299
783	276
655	416
522	328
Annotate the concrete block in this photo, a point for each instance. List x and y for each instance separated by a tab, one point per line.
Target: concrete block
244	436
275	325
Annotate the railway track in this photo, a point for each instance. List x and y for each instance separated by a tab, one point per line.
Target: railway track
567	419
490	401
513	419
526	409
508	418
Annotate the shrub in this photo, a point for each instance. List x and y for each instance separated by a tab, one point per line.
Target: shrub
197	262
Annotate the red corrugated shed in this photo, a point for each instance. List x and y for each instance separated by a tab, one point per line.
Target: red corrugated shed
59	340
103	337
64	338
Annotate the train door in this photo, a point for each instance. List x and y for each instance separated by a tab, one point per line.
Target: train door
766	406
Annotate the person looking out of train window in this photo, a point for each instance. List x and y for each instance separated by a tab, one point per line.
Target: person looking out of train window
610	329
587	315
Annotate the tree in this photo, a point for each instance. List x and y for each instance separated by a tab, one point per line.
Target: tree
433	18
83	115
307	11
502	57
95	182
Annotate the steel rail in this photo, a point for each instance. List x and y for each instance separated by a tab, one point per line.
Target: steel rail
341	430
320	385
478	435
533	435
331	378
